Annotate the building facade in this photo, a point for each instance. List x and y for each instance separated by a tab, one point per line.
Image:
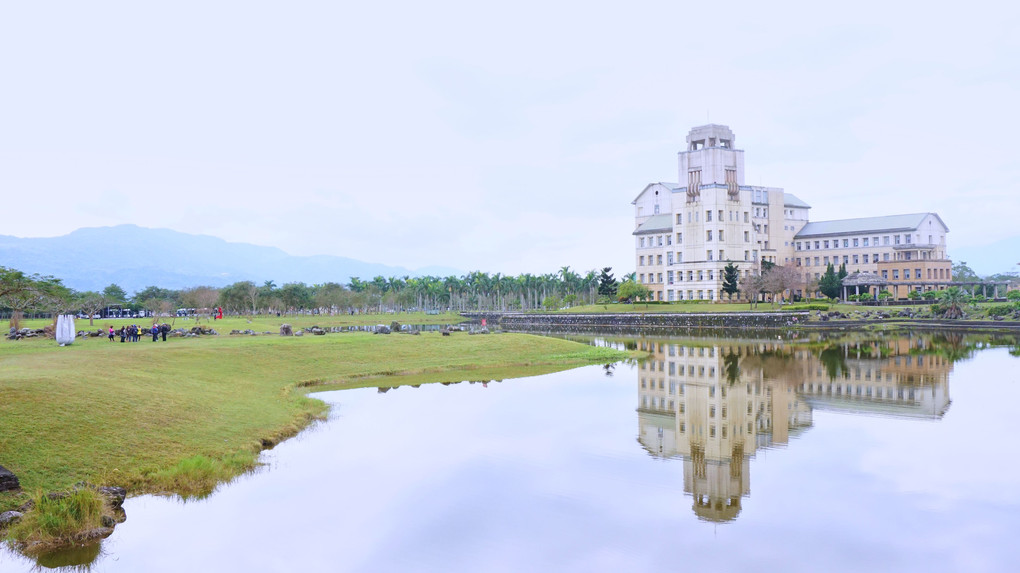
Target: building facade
686	233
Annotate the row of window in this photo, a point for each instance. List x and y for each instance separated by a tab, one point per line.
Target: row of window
857	242
679	276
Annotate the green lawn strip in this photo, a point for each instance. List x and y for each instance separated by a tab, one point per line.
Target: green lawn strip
265	322
148	415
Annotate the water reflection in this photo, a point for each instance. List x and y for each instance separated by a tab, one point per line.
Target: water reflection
715	405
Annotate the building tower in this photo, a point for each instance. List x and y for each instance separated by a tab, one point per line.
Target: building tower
710	219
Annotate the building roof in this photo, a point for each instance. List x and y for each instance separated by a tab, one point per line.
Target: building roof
907	222
655	224
791	200
670	186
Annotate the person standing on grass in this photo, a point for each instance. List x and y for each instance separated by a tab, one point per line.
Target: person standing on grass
155	332
111	333
163	329
123	333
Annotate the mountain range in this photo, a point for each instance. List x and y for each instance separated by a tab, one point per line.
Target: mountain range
136	257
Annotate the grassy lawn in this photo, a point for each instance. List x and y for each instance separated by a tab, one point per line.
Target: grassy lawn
186	414
263	323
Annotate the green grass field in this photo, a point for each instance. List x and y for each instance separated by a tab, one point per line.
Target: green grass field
263	323
184	415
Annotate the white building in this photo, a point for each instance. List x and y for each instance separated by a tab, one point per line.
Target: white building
686	233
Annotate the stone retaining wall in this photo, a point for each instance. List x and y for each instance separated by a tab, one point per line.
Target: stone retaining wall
729	320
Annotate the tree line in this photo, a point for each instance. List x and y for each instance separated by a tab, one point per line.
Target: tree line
22	293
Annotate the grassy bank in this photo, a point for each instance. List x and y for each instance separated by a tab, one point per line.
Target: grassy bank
184	415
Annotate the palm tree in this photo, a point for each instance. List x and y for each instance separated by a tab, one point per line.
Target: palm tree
954	298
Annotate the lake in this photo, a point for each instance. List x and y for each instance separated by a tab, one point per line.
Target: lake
828	453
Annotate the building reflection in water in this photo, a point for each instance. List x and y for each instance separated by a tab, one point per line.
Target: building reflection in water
716	403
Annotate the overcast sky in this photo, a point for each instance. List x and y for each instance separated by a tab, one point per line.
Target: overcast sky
502	138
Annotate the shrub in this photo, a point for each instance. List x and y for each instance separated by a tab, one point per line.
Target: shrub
930	295
1001	309
1013	295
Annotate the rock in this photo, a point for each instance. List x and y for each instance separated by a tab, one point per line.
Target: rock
299	333
9	517
286	330
107	521
445	332
382	329
8	481
395	326
115	495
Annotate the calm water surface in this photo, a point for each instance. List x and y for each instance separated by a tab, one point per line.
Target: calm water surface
894	454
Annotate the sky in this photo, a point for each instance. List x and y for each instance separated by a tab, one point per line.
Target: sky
498	137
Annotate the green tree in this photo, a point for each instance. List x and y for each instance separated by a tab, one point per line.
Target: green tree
115	294
629	291
731	278
829	284
607	283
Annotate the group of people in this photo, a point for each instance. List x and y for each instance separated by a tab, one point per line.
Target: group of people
134	332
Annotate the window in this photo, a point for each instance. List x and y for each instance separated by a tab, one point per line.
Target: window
669	239
846	259
865	242
917	273
825	261
641	278
817	245
747	238
708	235
708	255
857	259
641	243
885	256
722	255
897	238
669	258
669	280
895	274
659	259
745	216
747	255
798	242
660	281
856	241
641	261
708	216
885	240
660	240
817	262
721	218
846	243
701	277
680	218
906	239
826	244
711	275
720	235
679	238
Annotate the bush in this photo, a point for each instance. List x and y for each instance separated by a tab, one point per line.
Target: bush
1001	309
914	295
884	295
930	295
1013	295
978	298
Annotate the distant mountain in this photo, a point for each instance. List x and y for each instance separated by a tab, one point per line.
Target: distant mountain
998	257
136	257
